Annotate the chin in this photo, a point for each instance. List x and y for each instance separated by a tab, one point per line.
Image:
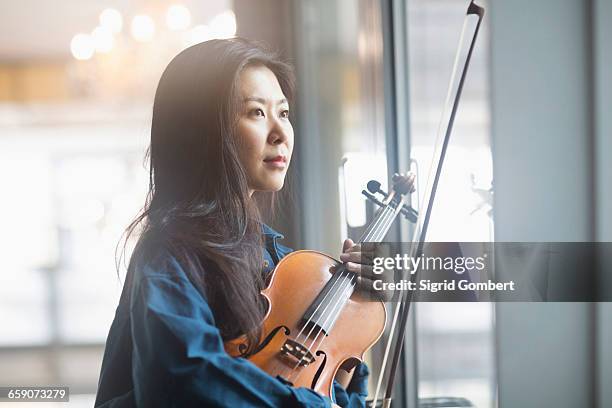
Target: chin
271	186
276	187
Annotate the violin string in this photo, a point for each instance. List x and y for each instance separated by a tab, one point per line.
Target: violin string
382	218
341	289
338	301
336	280
367	235
379	220
396	211
293	370
385	217
379	226
339	307
313	326
379	232
374	233
385	228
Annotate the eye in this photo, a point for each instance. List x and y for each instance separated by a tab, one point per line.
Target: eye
284	114
257	112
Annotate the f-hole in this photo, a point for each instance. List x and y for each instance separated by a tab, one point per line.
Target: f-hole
242	348
320	369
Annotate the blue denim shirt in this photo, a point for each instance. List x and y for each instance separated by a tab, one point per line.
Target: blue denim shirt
164	350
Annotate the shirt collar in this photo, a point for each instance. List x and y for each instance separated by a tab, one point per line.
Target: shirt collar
269	232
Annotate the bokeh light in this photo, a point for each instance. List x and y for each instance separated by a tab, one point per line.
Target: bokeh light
223	25
178	17
102	39
112	20
143	28
82	46
198	34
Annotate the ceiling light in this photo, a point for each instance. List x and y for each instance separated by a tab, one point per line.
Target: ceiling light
82	46
112	20
178	17
102	39
143	28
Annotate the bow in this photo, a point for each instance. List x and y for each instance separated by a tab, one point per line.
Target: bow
444	131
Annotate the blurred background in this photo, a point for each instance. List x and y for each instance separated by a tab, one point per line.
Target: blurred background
77	80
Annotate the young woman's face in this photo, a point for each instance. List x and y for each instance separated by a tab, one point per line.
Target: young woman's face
265	135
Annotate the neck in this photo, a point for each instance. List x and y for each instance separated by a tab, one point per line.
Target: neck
380	225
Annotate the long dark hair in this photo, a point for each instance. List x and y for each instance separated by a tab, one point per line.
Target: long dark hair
198	206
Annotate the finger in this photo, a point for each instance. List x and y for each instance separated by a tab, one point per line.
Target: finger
357	254
361	270
354	248
367	272
353	267
348	244
357	257
338	267
334	268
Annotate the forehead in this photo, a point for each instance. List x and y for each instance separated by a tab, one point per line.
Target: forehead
260	81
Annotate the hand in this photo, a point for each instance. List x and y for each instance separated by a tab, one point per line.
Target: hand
361	263
404	183
358	262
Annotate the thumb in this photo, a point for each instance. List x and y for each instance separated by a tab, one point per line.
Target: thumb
348	244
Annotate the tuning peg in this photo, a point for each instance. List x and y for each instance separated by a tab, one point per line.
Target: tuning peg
410	213
372	198
374	187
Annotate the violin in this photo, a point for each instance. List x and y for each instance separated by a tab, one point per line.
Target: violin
316	322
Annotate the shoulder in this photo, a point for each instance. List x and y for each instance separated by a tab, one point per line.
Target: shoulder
157	266
162	289
157	262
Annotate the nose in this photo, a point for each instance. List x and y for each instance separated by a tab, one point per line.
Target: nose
278	133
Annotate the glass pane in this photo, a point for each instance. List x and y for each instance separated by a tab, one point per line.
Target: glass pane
28	246
454	341
92	216
342	129
341	116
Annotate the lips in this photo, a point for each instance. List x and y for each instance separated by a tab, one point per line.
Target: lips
276	159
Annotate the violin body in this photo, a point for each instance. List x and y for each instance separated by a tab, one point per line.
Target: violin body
289	347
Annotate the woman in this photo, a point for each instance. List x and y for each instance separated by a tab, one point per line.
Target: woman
220	135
